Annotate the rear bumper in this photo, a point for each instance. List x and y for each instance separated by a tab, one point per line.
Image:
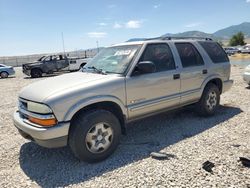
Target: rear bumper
227	85
246	77
51	137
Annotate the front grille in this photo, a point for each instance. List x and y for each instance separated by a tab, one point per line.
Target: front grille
23	104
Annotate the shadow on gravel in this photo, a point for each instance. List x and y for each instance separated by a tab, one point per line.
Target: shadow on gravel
58	167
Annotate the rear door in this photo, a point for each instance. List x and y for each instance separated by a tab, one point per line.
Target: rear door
152	92
61	62
193	71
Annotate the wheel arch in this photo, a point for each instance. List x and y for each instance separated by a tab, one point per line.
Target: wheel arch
114	106
216	80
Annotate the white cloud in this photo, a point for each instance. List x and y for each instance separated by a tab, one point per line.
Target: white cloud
156	6
102	24
248	1
97	34
117	26
133	24
193	24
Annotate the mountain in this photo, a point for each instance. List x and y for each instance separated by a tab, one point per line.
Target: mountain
223	34
228	32
136	39
189	34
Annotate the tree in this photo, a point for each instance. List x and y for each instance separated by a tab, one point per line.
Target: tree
237	39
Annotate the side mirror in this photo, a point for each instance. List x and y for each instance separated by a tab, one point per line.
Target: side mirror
146	67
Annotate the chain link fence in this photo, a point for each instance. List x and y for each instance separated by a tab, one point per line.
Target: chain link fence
17	61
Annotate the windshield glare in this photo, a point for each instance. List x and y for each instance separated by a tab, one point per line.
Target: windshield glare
113	59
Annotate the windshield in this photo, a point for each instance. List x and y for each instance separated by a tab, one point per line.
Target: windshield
113	59
41	58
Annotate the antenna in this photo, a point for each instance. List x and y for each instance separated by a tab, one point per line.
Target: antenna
63	44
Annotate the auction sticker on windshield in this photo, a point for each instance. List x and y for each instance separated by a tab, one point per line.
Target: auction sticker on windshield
122	52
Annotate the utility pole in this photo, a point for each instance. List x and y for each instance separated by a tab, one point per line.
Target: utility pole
97	45
63	44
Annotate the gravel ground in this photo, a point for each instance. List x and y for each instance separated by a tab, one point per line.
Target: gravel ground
221	139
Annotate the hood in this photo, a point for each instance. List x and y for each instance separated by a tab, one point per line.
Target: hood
41	90
7	67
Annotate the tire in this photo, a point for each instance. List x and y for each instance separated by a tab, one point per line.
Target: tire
209	101
36	73
100	127
4	74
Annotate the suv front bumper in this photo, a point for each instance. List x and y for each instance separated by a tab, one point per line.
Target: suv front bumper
27	72
227	85
51	137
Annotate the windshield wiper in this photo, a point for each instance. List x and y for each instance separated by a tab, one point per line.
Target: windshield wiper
99	71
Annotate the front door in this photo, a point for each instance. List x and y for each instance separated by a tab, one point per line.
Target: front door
50	64
152	92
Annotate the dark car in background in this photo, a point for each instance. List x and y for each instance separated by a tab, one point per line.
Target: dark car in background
6	71
46	65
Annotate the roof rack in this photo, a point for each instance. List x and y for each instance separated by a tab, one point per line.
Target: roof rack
179	38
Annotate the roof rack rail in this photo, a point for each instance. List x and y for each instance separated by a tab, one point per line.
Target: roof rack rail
179	38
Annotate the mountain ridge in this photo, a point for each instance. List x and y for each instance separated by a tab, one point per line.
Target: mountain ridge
222	34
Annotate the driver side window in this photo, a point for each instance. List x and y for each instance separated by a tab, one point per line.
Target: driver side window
160	55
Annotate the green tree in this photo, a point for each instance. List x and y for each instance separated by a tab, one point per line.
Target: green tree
237	39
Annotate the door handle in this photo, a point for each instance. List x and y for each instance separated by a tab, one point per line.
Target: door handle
176	76
204	71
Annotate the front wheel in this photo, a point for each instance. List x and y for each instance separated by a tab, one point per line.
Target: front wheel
4	75
36	73
94	135
209	101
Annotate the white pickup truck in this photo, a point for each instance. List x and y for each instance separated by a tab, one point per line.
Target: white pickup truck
76	63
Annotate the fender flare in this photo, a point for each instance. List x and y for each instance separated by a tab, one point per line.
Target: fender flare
92	100
208	79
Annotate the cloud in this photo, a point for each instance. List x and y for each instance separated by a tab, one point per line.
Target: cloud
248	1
117	26
133	24
97	34
102	24
193	24
156	6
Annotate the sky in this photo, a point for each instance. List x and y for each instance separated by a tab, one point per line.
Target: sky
36	26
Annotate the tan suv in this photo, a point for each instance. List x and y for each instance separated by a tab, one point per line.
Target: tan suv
88	110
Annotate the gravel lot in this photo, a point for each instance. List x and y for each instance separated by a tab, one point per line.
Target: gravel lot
221	139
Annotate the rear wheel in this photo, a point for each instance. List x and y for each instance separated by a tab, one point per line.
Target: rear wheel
209	101
4	74
36	73
94	135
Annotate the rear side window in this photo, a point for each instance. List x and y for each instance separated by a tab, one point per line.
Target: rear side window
215	51
189	55
72	62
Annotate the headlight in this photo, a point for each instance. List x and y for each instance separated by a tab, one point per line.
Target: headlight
248	68
38	108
